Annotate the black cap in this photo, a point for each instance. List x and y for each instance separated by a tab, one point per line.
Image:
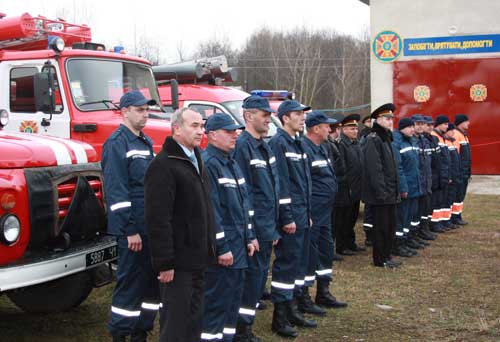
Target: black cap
221	121
351	120
384	110
405	122
339	118
366	118
451	127
418	118
460	118
135	98
441	119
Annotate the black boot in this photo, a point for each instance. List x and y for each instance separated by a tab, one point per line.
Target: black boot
399	249
324	297
306	305
280	324
139	336
244	334
296	318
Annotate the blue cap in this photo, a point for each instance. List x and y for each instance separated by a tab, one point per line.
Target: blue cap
418	118
257	102
135	98
288	106
221	121
317	117
428	119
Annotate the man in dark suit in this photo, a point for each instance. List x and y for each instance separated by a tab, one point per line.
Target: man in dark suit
180	223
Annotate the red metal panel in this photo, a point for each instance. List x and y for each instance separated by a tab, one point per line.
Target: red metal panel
450	81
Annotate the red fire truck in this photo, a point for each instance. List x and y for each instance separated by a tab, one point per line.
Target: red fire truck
69	92
200	88
53	247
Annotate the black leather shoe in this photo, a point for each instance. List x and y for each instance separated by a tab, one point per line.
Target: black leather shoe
437	229
412	251
337	257
346	252
244	334
391	264
119	338
401	251
261	305
413	244
426	235
306	305
280	324
296	318
421	241
461	222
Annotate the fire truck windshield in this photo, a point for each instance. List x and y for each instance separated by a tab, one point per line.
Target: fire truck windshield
98	84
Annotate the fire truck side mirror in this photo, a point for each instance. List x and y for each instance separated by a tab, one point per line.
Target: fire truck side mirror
44	92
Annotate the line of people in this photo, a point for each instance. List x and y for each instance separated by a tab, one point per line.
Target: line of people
196	229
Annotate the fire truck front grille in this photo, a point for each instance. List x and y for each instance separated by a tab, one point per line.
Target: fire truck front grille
66	190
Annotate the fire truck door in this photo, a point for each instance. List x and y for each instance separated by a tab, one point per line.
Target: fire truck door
18	98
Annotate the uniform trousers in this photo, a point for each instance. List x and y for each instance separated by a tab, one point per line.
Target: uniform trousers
384	227
287	266
320	254
406	210
343	226
135	297
255	276
368	222
182	301
223	291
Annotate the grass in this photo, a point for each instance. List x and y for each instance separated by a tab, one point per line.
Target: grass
451	292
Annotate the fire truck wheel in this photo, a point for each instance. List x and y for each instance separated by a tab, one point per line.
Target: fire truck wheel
55	296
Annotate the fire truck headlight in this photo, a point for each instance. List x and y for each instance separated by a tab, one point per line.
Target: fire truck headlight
10	229
4	118
57	44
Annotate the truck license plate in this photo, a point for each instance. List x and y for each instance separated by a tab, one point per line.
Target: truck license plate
100	256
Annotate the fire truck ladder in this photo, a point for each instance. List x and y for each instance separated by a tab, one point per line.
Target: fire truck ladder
29	33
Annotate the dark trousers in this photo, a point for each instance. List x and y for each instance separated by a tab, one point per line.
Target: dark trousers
344	220
223	290
459	203
424	212
368	222
182	300
437	203
405	212
384	227
255	276
135	297
286	266
320	254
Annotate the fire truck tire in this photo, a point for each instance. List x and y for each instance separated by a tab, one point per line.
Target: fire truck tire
55	296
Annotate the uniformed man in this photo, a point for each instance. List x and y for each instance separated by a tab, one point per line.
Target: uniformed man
258	164
324	188
342	196
126	156
353	160
381	184
367	212
407	157
461	135
234	233
292	250
367	126
455	176
425	161
439	205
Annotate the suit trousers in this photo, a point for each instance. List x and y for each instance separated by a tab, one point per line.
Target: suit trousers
384	228
182	312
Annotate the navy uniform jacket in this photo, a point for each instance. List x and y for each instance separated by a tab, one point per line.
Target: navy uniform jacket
464	152
406	152
444	159
258	164
455	168
233	230
435	151
425	154
294	178
324	183
350	150
125	159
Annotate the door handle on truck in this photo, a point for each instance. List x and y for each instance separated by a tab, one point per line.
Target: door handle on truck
85	128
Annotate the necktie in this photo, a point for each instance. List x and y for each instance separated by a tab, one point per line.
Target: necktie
192	157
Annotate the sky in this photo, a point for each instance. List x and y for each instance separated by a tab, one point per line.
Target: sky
182	25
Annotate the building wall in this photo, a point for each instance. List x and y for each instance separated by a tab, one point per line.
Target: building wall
427	18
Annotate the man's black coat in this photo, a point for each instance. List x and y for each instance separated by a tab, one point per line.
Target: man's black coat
178	210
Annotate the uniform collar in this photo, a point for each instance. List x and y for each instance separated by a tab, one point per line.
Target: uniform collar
130	135
287	136
218	153
255	142
315	147
347	140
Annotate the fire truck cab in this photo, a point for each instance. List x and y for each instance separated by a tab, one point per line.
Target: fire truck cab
61	84
53	246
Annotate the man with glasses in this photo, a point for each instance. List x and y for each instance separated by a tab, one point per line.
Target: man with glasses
381	184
